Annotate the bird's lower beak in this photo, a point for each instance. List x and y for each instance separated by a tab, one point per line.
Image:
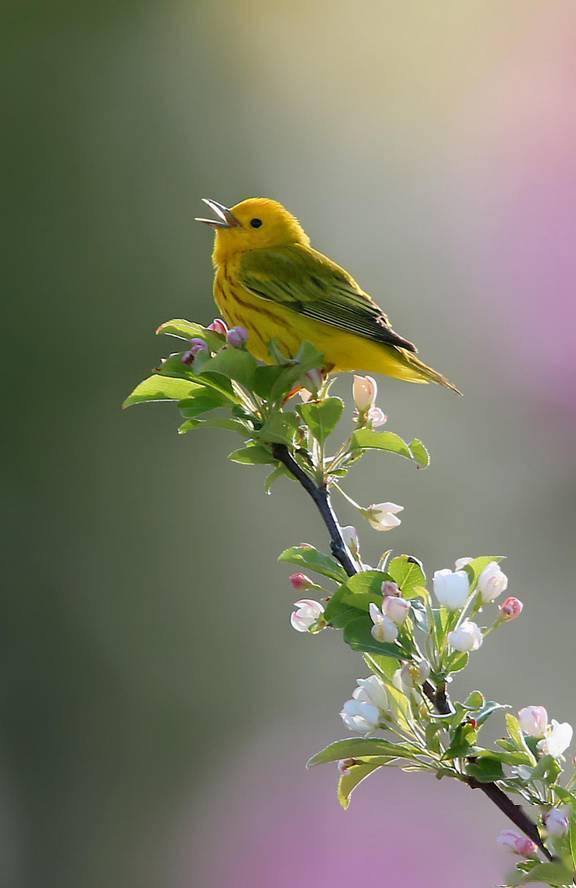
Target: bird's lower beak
226	218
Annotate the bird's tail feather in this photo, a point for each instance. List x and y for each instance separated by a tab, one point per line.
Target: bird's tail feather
418	371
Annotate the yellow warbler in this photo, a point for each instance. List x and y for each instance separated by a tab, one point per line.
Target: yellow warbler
272	282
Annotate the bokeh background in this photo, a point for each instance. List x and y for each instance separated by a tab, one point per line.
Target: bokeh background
156	707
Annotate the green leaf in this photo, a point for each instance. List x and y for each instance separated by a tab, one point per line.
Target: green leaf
474	700
383	667
173	367
308	556
265	378
275	475
201	401
357	634
515	733
420	453
348	782
362	589
553	873
253	455
490	706
160	388
457	661
547	769
232	425
366	439
486	769
187	330
338	614
322	417
408	573
233	363
464	738
308	358
280	428
363	747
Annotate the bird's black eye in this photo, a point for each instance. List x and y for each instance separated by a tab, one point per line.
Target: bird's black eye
255	223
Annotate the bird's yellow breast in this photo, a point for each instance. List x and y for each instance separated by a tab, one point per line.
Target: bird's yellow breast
266	320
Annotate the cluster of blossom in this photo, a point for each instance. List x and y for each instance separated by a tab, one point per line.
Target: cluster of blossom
370	709
451	588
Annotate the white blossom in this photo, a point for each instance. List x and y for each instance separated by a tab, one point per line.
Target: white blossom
451	588
383	516
308	612
360	717
384	629
411	675
557	739
461	563
371	690
363	712
492	582
467	637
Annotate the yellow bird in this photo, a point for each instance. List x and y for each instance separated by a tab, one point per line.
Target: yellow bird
272	282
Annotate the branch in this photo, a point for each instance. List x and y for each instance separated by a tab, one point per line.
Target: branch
437	696
512	811
321	497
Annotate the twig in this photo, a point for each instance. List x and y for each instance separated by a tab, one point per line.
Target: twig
441	702
437	696
321	497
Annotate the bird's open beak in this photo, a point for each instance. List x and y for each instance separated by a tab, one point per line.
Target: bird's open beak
226	218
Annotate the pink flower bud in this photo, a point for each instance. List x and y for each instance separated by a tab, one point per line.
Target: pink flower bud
389	587
517	844
218	326
511	608
344	766
237	337
557	822
533	721
364	391
300	581
396	608
196	345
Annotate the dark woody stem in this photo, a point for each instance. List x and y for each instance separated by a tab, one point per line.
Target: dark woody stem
321	497
439	699
436	695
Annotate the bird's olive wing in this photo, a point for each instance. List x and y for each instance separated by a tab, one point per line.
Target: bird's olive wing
305	281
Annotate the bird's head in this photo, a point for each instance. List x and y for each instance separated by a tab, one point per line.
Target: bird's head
251	225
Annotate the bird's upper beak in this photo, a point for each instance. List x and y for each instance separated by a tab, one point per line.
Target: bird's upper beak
226	218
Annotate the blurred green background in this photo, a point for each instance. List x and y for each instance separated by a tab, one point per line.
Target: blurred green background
156	707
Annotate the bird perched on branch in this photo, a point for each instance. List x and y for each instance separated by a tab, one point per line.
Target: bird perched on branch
272	282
